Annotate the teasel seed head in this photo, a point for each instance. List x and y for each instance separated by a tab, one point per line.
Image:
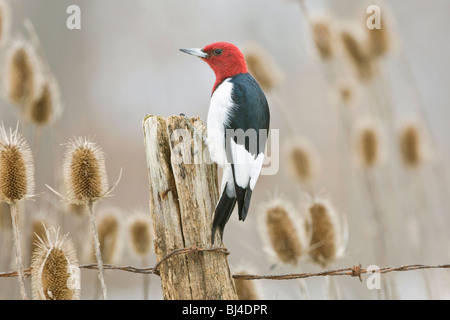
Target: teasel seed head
280	230
109	234
412	144
303	160
359	55
4	22
323	38
382	41
22	73
324	230
369	140
379	40
345	93
16	167
55	271
140	232
84	172
246	289
262	67
44	107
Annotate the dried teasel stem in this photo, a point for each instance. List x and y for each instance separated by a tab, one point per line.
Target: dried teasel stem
98	253
109	235
18	247
16	184
86	182
55	273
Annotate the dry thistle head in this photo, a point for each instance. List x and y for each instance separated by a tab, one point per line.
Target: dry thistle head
140	231
345	93
325	243
55	272
382	40
44	107
109	234
323	38
16	167
84	172
411	144
303	160
358	54
379	41
4	22
369	143
22	73
280	231
262	67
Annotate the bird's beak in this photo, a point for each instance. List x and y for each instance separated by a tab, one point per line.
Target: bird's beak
195	52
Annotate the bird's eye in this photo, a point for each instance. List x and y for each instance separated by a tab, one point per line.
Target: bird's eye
217	52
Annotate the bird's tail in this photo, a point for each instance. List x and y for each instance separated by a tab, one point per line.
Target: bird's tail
243	196
222	213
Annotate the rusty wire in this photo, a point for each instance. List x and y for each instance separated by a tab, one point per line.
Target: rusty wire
354	271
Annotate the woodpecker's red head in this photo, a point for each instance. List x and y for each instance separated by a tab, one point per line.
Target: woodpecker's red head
224	58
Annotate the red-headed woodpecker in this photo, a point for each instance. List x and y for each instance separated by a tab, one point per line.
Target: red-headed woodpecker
237	128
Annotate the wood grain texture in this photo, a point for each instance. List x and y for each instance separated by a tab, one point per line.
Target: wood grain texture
183	189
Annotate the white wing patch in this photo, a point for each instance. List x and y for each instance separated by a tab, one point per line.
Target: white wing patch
246	166
256	170
218	117
227	177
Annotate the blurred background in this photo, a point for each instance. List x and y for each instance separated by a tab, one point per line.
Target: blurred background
124	63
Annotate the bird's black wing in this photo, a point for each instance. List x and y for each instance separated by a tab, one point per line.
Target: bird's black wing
249	119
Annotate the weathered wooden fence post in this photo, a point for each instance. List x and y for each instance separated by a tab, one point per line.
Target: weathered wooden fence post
183	195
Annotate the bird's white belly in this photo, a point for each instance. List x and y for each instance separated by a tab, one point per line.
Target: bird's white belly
218	116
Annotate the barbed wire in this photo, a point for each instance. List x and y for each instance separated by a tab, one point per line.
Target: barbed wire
354	271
